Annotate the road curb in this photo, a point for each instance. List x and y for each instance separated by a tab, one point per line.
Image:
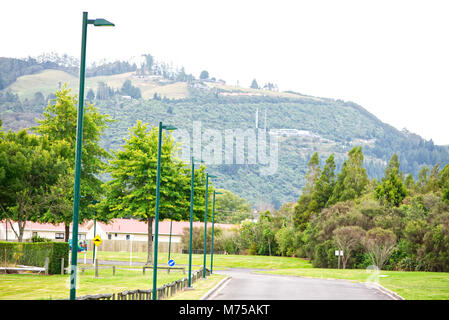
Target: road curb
385	291
219	285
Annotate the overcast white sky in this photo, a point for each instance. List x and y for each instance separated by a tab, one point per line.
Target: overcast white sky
391	57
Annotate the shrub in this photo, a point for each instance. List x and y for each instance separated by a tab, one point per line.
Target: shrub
35	253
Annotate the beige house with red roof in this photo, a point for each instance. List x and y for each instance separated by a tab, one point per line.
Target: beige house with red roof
120	231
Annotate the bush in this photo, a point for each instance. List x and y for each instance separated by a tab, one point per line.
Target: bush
35	253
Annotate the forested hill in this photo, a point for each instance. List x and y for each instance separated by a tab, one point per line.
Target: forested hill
304	124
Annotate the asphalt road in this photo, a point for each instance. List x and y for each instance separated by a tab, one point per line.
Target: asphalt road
246	285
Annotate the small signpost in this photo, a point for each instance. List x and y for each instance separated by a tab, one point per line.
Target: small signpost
339	253
97	240
171	263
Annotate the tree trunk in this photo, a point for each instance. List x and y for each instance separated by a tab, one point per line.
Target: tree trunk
66	232
150	240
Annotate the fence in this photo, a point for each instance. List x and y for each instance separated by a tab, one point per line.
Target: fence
137	246
164	292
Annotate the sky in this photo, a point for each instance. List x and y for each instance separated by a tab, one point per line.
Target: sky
390	57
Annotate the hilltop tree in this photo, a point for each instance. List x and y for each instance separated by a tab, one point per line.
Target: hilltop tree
130	90
149	62
204	75
254	84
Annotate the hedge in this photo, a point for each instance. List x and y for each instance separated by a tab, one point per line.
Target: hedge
34	254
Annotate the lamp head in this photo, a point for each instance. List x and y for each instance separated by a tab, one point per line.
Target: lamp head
169	127
101	23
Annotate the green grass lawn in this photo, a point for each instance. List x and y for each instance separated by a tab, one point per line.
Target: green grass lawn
36	287
220	260
200	287
409	285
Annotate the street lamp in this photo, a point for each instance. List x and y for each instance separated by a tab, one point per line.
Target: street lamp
156	220
205	223
212	241
79	136
192	179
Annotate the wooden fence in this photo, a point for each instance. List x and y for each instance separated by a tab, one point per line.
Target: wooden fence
164	292
137	246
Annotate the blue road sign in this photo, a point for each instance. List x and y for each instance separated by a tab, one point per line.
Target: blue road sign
171	262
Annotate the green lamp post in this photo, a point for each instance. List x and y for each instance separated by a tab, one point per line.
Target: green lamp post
79	135
212	240
192	179
205	223
156	218
94	251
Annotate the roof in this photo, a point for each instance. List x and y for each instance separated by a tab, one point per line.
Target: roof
131	226
136	226
35	226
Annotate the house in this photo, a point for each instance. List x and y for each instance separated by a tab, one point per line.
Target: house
116	229
127	229
54	232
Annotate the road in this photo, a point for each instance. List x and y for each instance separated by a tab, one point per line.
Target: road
247	285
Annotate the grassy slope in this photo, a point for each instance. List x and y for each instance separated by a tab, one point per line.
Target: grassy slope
47	82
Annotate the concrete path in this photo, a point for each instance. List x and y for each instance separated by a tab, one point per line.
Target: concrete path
247	285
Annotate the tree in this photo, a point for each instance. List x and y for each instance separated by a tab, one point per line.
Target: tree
132	188
129	90
392	190
254	84
204	75
230	208
29	167
379	244
149	61
306	204
325	185
58	125
90	95
346	238
352	180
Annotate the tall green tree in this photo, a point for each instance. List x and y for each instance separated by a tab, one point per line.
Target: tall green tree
392	190
58	125
132	188
352	179
29	167
230	208
306	204
325	184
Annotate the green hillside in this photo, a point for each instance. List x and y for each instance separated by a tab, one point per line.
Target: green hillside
324	125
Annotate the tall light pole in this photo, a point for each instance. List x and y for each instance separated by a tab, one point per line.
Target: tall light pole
212	241
79	136
95	232
192	186
156	216
205	223
169	241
